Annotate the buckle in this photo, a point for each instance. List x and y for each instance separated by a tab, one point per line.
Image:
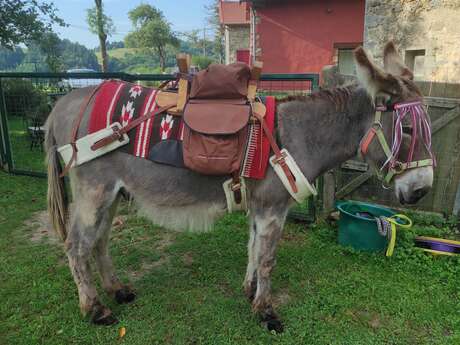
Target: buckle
117	134
280	160
236	186
398	167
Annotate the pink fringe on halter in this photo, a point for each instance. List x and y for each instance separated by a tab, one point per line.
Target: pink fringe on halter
421	126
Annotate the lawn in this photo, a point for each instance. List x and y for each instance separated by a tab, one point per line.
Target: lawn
189	285
24	157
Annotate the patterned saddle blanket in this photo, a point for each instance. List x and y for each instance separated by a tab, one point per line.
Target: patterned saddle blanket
159	139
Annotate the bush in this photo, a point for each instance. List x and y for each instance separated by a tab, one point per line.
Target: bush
22	98
202	61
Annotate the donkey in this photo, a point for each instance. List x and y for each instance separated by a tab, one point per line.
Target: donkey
320	131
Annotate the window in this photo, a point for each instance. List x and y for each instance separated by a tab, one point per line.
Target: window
345	61
415	61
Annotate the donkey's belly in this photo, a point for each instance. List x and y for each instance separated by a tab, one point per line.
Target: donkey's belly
176	198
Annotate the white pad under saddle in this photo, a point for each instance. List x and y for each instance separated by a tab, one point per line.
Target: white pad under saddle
304	188
85	154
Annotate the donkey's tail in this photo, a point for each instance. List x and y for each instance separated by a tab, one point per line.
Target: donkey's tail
57	195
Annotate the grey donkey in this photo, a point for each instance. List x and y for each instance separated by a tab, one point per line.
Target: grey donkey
320	131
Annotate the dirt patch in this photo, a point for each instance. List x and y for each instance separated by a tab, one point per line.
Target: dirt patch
188	259
147	267
41	228
293	237
164	241
372	319
281	298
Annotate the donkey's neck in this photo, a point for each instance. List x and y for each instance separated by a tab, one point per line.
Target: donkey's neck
324	130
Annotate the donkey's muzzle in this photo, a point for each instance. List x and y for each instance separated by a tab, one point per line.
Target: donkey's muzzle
415	196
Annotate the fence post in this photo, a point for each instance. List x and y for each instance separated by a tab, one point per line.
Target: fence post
5	145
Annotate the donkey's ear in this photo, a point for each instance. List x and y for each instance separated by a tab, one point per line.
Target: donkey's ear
393	63
371	76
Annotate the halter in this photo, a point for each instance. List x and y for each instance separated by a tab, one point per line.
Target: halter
420	126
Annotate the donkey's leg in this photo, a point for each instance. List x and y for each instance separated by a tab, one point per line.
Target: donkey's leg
92	203
268	227
110	281
250	280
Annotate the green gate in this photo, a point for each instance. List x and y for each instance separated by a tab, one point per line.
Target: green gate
27	98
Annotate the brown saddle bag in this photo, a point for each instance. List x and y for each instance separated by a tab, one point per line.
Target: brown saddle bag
215	135
221	82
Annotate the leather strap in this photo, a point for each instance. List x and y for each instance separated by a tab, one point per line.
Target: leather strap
367	140
280	159
76	126
236	187
118	132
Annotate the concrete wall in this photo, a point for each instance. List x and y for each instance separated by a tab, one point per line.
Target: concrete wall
417	25
296	36
236	37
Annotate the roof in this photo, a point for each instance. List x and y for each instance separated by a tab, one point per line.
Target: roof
233	12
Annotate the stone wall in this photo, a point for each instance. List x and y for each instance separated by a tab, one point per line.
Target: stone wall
236	37
429	27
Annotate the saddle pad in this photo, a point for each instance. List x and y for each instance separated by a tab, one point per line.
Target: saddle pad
119	101
159	139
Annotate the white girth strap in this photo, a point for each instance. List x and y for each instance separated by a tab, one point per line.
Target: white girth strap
304	188
232	205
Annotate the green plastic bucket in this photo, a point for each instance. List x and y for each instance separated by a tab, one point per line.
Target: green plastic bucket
358	228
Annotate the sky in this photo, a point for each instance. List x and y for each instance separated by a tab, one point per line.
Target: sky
184	15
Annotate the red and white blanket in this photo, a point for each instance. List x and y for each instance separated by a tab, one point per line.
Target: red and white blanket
119	101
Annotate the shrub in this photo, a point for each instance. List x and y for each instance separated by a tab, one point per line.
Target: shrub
202	61
22	98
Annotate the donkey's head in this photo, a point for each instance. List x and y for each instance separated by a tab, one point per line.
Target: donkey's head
399	142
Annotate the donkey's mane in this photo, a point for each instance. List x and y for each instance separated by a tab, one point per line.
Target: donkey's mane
337	96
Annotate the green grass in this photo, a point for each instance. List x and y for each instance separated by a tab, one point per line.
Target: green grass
24	157
190	291
118	53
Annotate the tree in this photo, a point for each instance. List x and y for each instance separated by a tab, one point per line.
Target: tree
75	55
151	32
50	46
10	58
214	21
102	26
57	55
26	20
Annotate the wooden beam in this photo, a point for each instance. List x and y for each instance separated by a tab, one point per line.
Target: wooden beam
183	62
356	165
442	102
445	119
328	192
256	72
353	184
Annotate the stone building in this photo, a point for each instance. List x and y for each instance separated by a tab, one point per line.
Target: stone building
427	33
235	18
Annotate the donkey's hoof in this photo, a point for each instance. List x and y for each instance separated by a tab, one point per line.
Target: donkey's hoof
124	295
103	316
275	325
272	323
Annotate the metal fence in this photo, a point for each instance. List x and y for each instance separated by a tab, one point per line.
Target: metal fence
26	100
